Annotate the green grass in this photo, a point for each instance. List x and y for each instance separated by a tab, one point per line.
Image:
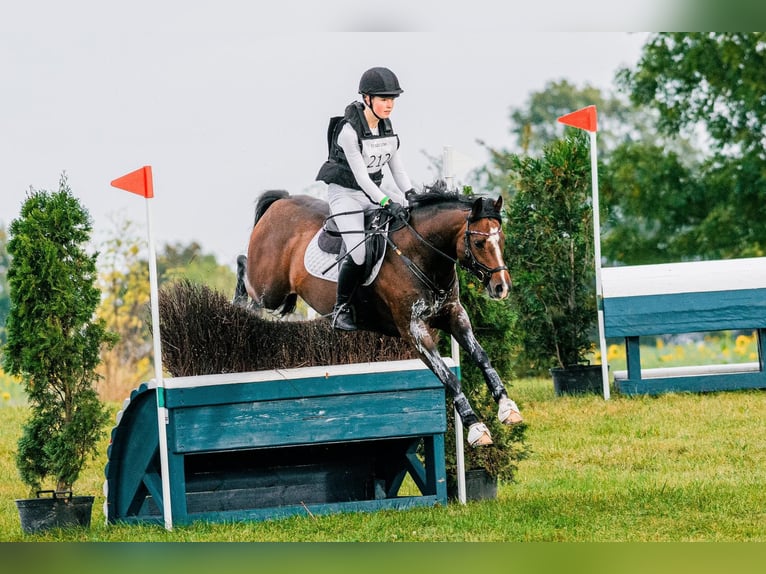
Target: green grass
678	467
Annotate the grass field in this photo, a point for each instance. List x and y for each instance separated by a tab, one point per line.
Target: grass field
678	467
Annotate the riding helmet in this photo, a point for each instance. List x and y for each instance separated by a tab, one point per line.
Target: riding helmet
380	82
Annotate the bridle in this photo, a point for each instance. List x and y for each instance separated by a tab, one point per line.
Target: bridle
482	272
473	265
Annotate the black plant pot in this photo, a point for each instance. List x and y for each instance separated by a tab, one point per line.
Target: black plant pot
479	485
577	380
60	510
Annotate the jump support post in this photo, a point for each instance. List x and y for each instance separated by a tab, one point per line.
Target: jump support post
270	444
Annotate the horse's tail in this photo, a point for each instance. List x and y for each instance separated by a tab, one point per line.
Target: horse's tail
265	201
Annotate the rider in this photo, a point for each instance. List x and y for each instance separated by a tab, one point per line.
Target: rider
361	143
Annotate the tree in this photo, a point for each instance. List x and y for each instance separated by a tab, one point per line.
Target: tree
712	79
124	308
53	339
178	261
551	256
653	203
5	299
714	83
535	126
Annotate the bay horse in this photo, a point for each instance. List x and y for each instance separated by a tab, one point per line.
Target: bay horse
415	292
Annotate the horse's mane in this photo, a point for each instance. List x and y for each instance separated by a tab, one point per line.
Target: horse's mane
438	194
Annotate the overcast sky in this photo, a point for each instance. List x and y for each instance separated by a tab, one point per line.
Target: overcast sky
223	106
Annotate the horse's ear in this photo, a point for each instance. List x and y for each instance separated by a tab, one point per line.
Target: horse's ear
477	209
499	204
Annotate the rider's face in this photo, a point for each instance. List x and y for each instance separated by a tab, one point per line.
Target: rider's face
382	106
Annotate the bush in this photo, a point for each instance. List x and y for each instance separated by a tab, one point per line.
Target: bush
550	256
53	341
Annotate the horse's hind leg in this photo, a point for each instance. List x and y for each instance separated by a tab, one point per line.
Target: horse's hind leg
240	292
507	411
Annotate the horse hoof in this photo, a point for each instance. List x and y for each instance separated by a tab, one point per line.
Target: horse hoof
478	435
508	412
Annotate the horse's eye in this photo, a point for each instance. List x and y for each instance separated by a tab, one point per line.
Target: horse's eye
479	243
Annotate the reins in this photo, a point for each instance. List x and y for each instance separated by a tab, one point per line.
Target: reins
481	271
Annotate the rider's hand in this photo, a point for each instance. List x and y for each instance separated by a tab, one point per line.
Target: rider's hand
396	210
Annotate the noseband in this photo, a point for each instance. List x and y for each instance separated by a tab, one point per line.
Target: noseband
482	272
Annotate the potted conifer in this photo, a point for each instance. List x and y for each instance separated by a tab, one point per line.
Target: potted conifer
550	256
53	345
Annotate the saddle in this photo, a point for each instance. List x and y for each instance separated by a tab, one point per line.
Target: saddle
377	224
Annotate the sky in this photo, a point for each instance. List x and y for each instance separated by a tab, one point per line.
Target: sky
227	99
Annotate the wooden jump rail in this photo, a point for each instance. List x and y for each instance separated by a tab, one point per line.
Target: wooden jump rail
270	444
690	297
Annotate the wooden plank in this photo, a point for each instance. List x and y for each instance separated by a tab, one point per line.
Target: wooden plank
685	277
302	388
694	384
690	370
257	514
132	454
297	374
684	313
302	421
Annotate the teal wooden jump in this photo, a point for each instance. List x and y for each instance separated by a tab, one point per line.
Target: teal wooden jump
270	444
689	297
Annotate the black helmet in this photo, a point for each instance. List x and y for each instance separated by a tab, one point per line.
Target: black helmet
380	82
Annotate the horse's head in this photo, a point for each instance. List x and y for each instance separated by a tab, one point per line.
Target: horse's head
484	242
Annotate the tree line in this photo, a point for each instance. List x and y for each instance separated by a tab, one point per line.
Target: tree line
682	148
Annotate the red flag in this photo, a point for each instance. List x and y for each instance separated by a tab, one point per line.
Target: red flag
139	182
585	119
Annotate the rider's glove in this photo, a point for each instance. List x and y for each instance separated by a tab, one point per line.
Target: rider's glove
395	209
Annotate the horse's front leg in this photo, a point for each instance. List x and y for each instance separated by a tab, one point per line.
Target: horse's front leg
421	337
460	327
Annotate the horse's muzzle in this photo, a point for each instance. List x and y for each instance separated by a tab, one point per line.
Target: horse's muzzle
499	285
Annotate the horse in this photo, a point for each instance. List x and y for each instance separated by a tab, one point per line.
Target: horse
415	293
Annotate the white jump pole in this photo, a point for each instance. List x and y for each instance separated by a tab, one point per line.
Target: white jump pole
449	179
597	257
162	411
587	119
141	183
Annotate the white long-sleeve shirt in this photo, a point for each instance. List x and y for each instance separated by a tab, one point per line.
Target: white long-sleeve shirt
365	161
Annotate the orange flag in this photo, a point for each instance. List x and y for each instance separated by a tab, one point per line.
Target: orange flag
585	119
139	182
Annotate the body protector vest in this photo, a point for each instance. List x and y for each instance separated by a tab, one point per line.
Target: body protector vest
376	149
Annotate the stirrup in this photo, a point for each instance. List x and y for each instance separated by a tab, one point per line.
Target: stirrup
507	412
478	435
343	318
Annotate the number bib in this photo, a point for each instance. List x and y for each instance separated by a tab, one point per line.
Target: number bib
377	151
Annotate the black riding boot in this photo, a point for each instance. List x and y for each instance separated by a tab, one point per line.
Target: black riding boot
349	277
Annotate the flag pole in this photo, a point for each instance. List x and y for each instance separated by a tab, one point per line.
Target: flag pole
597	257
162	411
140	182
586	119
449	179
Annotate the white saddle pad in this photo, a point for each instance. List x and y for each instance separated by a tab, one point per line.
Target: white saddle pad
316	261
